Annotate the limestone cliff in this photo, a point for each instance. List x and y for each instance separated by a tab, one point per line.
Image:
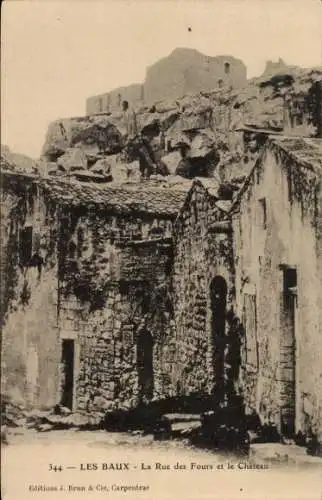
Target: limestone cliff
208	124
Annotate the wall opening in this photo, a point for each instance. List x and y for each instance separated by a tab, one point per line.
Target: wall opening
218	297
80	241
25	245
68	355
287	352
250	329
145	366
263	213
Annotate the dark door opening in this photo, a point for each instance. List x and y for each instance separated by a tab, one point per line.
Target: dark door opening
25	245
68	349
145	365
218	297
287	352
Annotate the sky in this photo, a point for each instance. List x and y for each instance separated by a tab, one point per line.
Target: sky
56	54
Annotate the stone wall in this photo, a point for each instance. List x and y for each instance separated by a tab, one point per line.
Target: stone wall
277	233
112	101
115	285
187	71
83	284
202	252
30	347
184	71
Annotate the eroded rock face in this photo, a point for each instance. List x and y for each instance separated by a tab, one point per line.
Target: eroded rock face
93	135
72	159
208	124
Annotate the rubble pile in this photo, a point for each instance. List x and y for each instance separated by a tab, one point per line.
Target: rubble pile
15	416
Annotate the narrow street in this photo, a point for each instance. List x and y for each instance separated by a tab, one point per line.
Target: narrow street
97	464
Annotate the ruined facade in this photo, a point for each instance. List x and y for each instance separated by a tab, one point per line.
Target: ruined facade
184	71
116	294
277	261
263	341
187	71
88	320
202	271
111	101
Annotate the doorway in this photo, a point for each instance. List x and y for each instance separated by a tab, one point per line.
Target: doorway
287	352
218	297
145	365
68	353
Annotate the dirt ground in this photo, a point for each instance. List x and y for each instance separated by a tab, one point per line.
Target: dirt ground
98	465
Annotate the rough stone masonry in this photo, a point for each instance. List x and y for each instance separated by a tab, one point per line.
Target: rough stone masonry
128	291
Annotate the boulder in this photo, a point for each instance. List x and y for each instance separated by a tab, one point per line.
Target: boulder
121	171
203	144
57	140
93	135
101	166
73	159
192	120
101	133
171	160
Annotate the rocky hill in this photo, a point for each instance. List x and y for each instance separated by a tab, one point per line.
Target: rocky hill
206	124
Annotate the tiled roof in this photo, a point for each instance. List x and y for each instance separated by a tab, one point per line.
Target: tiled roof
211	185
150	197
305	151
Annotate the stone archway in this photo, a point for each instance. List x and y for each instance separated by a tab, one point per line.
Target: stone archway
218	298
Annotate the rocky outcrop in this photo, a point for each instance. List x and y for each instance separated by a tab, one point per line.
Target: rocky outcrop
210	125
72	159
93	135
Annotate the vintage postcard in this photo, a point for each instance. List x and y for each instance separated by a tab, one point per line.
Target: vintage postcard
161	250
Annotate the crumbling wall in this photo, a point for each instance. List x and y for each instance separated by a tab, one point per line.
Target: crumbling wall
112	101
278	227
114	283
184	71
29	296
187	71
201	253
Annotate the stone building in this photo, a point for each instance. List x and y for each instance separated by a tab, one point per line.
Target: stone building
184	71
278	278
187	71
203	285
121	293
112	101
247	282
87	315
